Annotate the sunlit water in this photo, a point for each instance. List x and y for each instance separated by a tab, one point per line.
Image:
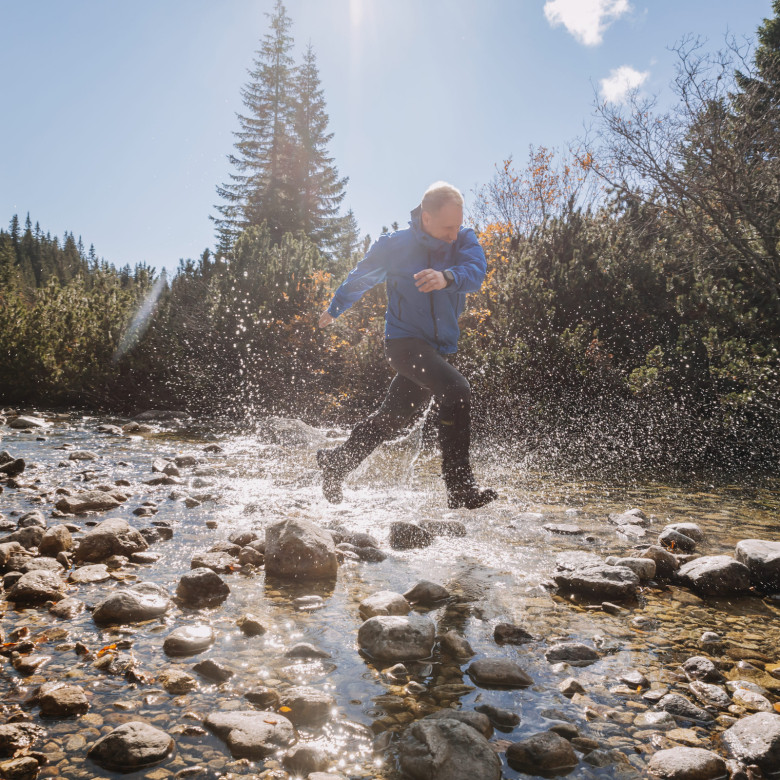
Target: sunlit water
499	572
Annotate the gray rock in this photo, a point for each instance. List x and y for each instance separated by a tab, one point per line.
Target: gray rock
55	540
655	720
644	568
397	637
426	593
131	605
67	608
37	587
32	518
752	700
132	745
598	580
687	763
307	706
674	540
188	640
214	670
88	501
406	536
755	740
299	549
455	645
498	673
302	760
573	653
710	694
177	682
263	697
542	752
82	455
28	537
13	467
93	572
27	421
691	530
477	720
666	564
698	667
631	517
715	575
446	749
111	537
306	650
634	678
202	588
60	700
219	562
18	736
680	707
385	602
502	719
763	560
511	634
252	734
443	527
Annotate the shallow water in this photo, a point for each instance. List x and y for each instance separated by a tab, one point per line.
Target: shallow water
499	572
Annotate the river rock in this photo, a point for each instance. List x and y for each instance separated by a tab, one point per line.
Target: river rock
35	517
36	587
511	634
710	694
763	560
687	763
252	734
93	572
111	537
22	768
595	579
666	564
630	517
540	753
13	467
298	549
573	653
751	700
188	640
59	700
131	605
18	737
502	719
307	706
55	540
27	421
675	540
177	682
446	749
67	608
250	625
88	501
455	645
715	575
302	760
691	530
214	670
755	740
397	638
9	551
82	455
477	720
644	568
263	697
444	527
219	562
202	588
407	536
498	673
698	667
677	705
385	602
131	746
28	537
655	720
426	593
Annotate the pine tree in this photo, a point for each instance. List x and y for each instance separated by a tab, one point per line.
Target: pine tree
261	188
319	189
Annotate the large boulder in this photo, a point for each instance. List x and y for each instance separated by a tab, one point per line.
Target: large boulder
763	560
131	746
111	537
397	637
447	749
588	576
299	549
131	605
37	587
687	763
755	740
715	575
252	734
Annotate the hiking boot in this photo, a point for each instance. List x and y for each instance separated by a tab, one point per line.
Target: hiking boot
463	491
332	477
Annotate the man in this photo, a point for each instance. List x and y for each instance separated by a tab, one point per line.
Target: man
428	268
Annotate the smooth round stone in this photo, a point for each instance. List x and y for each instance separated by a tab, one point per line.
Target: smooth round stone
305	759
307	706
687	763
36	587
573	653
252	734
177	682
397	637
142	602
539	753
710	694
96	572
188	640
385	602
131	746
751	700
655	720
202	588
499	673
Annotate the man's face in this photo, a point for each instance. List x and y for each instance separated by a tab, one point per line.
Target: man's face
444	223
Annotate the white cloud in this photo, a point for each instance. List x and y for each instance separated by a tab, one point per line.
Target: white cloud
586	20
620	82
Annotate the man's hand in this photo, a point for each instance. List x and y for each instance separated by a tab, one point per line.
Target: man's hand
326	319
430	280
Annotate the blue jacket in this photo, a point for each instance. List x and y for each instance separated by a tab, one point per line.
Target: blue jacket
394	258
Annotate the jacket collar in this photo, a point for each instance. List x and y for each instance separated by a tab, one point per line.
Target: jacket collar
426	239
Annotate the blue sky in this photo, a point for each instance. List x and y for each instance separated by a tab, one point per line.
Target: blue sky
118	116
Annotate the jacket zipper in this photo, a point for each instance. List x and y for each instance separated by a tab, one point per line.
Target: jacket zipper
433	312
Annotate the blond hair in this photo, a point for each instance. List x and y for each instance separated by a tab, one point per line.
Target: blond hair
439	193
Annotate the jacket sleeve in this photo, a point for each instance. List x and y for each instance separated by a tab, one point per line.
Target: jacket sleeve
371	270
469	266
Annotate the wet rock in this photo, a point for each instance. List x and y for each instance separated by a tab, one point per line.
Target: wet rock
305	650
631	517
55	540
502	719
202	588
477	720
498	673
302	760
12	467
570	686
687	763
49	564
710	694
674	540
595	579
755	740
715	575
426	593
298	549
644	568
82	455
263	697
572	653
32	518
666	564
542	752
511	634
370	554
67	608
455	645
655	720
36	587
634	679
564	529
397	637
213	670
111	537
252	734
177	682
407	536
131	746
27	537
691	530
188	640
249	556
24	421
446	749
219	562
449	528
18	736
385	602
131	605
250	625
94	572
751	700
8	551
763	561
698	667
307	706
88	501
59	700
680	707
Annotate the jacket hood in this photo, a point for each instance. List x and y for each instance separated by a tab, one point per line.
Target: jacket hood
426	239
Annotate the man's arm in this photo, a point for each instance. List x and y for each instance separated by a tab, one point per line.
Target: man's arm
469	264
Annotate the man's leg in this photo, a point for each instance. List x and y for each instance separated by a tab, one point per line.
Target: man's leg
404	399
